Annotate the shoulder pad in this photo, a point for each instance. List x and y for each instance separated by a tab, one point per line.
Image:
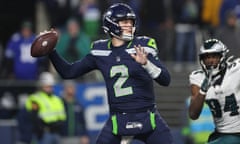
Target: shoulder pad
100	44
101	48
196	77
234	64
149	44
199	71
236	60
147	41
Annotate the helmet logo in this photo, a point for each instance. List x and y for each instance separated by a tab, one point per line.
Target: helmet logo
108	13
130	15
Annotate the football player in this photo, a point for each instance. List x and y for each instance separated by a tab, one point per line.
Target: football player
217	83
129	64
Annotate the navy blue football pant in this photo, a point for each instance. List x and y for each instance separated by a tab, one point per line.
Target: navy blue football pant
160	135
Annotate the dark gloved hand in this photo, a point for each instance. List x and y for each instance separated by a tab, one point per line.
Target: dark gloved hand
205	86
206	82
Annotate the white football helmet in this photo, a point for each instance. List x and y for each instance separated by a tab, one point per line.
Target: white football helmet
213	46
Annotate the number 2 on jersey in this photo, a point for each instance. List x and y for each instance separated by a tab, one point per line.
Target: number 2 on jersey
118	85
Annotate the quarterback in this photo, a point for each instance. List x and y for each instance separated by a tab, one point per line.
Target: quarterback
129	64
218	84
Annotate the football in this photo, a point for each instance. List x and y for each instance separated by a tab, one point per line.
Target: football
44	43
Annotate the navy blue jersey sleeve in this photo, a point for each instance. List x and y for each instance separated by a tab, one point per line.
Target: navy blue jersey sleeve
72	70
164	77
150	46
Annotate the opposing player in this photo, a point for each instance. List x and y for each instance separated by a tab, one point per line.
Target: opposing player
217	84
129	65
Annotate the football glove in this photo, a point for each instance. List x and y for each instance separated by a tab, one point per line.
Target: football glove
205	86
206	82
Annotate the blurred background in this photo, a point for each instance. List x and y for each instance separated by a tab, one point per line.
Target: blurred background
179	27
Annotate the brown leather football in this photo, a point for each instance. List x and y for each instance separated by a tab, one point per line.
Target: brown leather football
44	43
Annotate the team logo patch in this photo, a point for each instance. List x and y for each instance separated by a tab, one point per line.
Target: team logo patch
131	125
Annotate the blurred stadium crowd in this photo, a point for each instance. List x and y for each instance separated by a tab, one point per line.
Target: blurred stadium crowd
179	26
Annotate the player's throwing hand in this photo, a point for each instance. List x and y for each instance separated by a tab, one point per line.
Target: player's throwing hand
140	56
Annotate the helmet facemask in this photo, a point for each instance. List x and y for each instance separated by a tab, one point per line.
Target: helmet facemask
127	36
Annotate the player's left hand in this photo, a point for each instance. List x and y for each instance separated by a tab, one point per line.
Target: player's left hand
140	56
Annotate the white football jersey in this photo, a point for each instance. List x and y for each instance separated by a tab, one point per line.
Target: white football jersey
223	99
